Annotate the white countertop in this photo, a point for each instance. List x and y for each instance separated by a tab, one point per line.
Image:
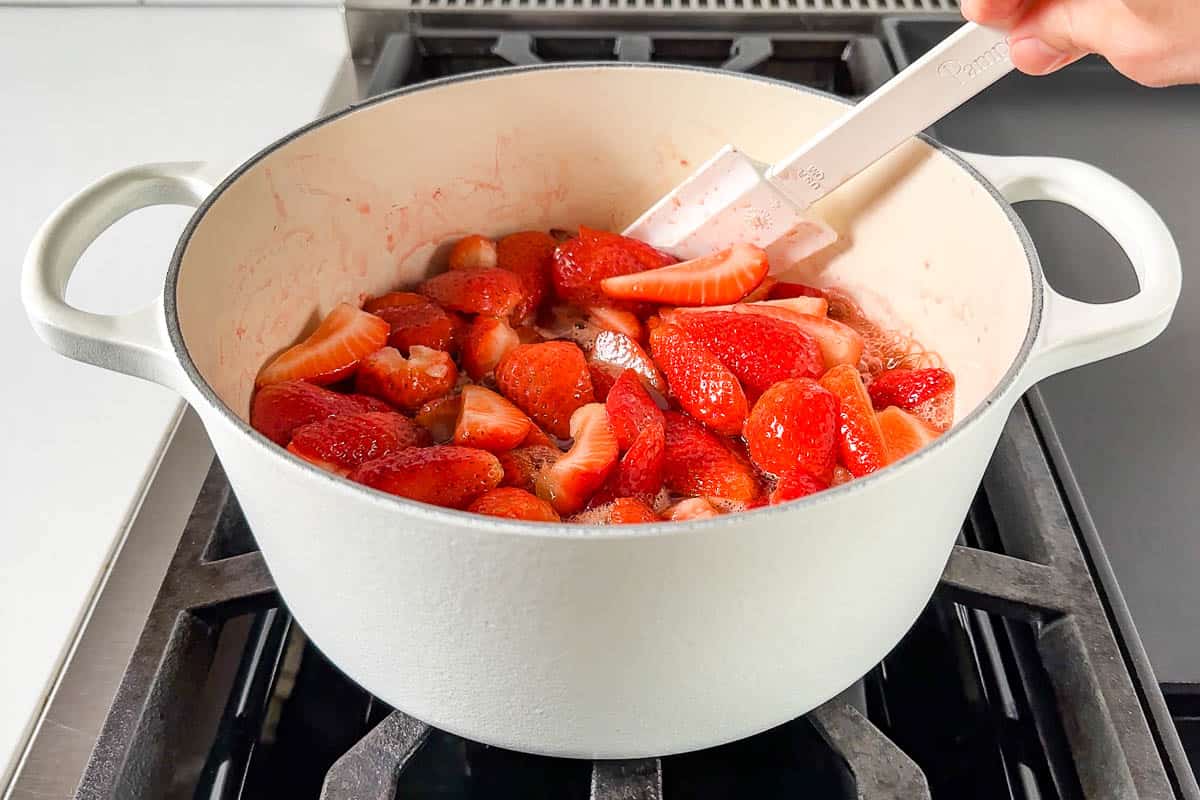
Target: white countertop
86	91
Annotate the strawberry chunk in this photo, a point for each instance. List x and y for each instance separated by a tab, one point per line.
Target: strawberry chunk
841	475
415	319
339	444
617	352
548	381
795	485
617	320
332	351
488	421
783	290
630	511
580	264
759	350
723	277
513	503
762	291
704	387
698	462
530	256
493	292
537	437
794	425
523	465
571	480
861	448
840	344
394	300
442	475
630	409
603	377
691	508
407	383
473	252
640	472
904	433
280	408
488	340
927	393
439	417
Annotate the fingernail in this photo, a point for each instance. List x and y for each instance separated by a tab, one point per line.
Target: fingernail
1035	57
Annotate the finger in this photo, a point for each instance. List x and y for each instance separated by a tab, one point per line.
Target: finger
1055	32
1036	57
994	12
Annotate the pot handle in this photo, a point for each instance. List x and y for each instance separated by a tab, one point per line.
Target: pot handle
1074	333
136	343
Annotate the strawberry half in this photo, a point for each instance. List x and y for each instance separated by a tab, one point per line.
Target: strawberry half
547	381
415	319
487	341
759	350
442	475
410	382
630	409
523	465
783	290
840	344
795	485
614	319
794	425
616	352
903	432
927	393
630	511
571	480
580	264
723	277
861	448
488	421
640	472
341	443
439	417
762	291
698	462
513	503
493	292
530	256
704	387
473	252
332	351
691	508
280	408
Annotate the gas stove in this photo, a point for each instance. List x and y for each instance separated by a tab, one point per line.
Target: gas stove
1023	678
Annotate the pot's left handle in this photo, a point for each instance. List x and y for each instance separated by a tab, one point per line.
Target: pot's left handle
135	343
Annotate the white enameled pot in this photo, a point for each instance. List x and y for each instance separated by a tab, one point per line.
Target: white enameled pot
594	642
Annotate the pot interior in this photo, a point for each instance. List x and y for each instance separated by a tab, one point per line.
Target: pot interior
370	201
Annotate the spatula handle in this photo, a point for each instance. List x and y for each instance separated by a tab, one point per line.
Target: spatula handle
964	64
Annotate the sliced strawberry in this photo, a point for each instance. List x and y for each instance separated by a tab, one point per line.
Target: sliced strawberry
407	383
691	508
395	300
840	344
723	277
580	264
640	472
473	252
614	319
841	475
570	481
698	462
332	351
783	290
280	408
514	503
547	381
630	511
341	443
530	256
493	292
904	433
762	291
487	341
794	425
861	448
442	475
704	387
795	485
488	421
603	377
523	465
759	350
439	417
630	409
415	319
927	393
817	307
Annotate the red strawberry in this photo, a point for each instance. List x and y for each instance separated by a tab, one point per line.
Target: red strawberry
580	264
488	421
704	387
487	341
415	319
794	425
630	409
530	256
394	300
603	378
514	503
523	465
640	473
439	417
407	383
616	352
783	290
339	444
441	475
928	393
759	350
903	433
614	319
494	292
795	485
762	291
473	252
861	448
691	508
630	511
281	408
537	438
817	307
723	277
547	381
698	462
570	481
332	351
840	344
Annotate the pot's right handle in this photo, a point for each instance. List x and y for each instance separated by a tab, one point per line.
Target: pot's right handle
1074	333
135	343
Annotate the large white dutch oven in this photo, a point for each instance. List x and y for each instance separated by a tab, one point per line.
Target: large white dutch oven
578	641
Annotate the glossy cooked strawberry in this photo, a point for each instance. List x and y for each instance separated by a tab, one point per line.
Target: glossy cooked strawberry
699	462
394	300
407	383
759	350
488	421
617	320
473	252
723	277
794	425
537	436
439	417
704	387
927	393
784	289
630	511
332	351
903	433
523	465
617	352
840	344
571	480
493	292
762	291
530	256
580	264
280	408
794	485
513	503
415	319
603	377
630	409
640	471
547	381
339	444
691	508
861	448
443	475
487	341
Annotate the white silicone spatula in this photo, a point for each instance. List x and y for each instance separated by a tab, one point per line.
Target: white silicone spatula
733	198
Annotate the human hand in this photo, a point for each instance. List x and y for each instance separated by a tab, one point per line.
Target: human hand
1154	42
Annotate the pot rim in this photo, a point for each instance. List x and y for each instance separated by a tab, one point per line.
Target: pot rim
499	525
